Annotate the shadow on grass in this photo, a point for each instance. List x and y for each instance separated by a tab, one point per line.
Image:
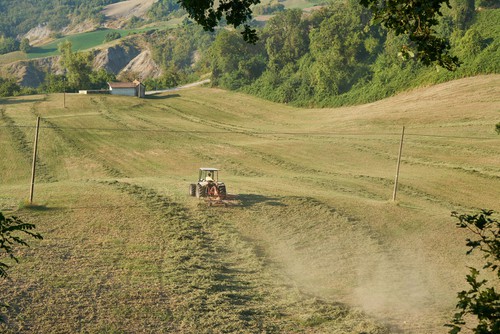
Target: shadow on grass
38	207
248	200
17	101
161	97
37	51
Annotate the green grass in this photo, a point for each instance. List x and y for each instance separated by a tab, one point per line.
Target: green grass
12	57
294	3
87	40
314	246
302	4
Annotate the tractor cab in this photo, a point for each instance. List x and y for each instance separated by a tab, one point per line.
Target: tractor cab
208	174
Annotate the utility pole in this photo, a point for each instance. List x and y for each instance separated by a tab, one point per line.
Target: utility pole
33	167
64	92
397	168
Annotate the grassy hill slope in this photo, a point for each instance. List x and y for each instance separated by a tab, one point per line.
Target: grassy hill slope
315	244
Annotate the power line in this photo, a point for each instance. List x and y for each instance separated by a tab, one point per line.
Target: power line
199	131
248	132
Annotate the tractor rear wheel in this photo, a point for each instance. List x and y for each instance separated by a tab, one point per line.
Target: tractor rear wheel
222	192
192	189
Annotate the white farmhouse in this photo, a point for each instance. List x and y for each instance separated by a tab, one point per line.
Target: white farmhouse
135	88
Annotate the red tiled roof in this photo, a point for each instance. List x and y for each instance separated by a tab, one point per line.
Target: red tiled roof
122	84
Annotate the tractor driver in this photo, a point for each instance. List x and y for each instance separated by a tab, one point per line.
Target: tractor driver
209	178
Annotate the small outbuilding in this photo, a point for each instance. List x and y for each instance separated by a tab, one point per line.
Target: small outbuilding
135	88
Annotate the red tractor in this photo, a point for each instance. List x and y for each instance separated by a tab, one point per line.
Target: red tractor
208	185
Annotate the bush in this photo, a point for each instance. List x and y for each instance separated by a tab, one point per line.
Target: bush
488	3
111	36
135	22
10	228
8	44
8	87
480	306
268	9
25	45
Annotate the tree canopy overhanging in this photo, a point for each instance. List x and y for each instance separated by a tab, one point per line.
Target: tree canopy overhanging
413	18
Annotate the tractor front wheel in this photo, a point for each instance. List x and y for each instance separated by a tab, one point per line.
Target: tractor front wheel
199	191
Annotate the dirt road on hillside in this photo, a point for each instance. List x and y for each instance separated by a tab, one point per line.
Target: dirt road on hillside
194	84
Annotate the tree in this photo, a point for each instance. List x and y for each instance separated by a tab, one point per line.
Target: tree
235	13
164	8
462	12
111	36
78	66
8	87
471	44
9	237
25	45
53	83
234	63
488	3
481	301
286	38
413	18
100	78
8	44
337	46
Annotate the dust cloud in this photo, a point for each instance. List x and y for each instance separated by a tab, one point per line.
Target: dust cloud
340	260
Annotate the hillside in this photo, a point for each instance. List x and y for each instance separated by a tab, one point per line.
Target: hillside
302	59
315	244
87	33
127	9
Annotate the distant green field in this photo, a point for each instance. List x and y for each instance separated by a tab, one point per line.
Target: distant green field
297	3
94	39
312	243
301	3
87	40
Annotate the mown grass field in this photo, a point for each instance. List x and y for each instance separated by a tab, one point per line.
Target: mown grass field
315	245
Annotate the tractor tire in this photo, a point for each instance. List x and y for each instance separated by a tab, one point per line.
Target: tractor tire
200	191
222	192
192	189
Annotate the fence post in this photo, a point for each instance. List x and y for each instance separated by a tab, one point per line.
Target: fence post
33	167
399	163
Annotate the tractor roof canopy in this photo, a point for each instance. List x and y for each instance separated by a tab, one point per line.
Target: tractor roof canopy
212	172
